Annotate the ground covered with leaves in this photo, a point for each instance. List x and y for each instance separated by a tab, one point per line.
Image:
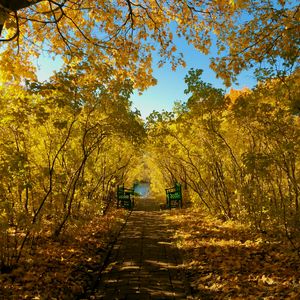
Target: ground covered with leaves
228	260
66	268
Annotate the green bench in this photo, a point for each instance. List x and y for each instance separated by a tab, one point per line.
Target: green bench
174	196
125	197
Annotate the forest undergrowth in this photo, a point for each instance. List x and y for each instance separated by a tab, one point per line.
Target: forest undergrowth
229	260
63	268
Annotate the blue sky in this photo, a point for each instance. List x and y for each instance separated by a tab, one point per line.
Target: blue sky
170	86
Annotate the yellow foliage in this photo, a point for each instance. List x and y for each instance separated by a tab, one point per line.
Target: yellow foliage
122	34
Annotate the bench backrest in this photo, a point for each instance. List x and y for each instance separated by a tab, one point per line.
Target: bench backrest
122	191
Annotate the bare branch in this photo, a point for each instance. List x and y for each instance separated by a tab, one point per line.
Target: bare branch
57	27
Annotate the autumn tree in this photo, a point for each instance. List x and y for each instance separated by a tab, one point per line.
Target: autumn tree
65	145
237	154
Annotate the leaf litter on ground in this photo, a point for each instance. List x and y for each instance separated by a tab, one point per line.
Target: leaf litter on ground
228	260
65	268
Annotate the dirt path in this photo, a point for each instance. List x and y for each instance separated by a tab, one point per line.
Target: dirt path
144	263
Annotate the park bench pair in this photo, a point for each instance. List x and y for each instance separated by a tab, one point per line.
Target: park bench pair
125	197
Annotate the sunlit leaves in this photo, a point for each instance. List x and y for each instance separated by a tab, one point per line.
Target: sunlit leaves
64	145
237	153
124	34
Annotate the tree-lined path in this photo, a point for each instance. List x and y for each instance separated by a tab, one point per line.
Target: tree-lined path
67	145
144	262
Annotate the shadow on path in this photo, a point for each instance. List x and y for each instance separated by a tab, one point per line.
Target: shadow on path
144	263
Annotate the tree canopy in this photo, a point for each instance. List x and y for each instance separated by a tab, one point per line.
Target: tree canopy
123	34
